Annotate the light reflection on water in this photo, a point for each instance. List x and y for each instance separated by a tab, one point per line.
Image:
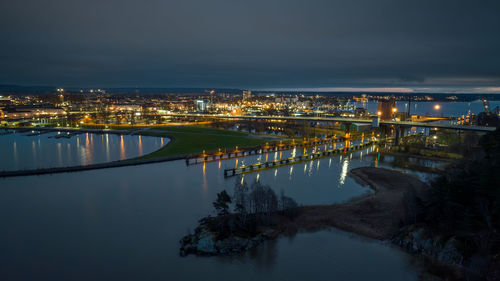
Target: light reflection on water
30	152
140	146
343	173
130	219
329	174
122	148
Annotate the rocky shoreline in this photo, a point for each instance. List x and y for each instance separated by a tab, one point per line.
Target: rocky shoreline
204	242
416	241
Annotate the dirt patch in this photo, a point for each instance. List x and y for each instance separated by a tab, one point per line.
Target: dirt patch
377	215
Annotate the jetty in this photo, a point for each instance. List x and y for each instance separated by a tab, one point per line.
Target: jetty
267	148
293	160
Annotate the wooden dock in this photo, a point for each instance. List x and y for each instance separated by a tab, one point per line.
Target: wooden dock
292	160
223	155
37	133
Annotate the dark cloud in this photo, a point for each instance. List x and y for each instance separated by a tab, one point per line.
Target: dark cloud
255	44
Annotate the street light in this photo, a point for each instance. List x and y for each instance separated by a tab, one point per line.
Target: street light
437	107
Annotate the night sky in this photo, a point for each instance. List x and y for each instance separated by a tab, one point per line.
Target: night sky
424	45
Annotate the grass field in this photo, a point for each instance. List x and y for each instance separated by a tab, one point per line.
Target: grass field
193	140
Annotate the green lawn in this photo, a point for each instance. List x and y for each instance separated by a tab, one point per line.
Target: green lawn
201	130
193	140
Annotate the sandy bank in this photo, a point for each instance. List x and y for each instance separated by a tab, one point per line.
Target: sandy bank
377	215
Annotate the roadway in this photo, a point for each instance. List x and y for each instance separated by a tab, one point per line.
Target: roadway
345	120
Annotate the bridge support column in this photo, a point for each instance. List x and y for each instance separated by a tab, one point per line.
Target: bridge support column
397	135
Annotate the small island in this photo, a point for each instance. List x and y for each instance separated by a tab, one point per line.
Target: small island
258	213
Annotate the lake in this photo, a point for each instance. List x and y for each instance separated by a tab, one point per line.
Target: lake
447	109
20	151
125	224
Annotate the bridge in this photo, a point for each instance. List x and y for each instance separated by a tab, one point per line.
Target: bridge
342	120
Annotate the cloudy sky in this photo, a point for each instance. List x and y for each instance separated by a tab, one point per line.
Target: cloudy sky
425	45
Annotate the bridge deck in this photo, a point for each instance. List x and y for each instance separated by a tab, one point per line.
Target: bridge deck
344	119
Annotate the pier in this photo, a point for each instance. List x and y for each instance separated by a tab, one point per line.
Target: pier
67	132
292	160
37	133
223	155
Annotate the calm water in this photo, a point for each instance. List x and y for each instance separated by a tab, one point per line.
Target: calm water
448	109
20	151
125	224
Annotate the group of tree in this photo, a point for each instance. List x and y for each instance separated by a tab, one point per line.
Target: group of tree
252	206
465	202
450	141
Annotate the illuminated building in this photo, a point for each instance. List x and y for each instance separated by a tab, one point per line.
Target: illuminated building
201	105
31	112
247	95
386	109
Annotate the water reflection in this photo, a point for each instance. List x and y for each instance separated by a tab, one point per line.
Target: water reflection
309	173
14	148
88	150
140	146
59	154
108	156
205	184
121	199
33	148
19	151
122	148
345	169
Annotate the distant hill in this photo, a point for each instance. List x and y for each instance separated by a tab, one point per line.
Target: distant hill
20	90
42	90
169	90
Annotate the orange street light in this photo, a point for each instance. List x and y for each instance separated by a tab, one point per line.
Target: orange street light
437	107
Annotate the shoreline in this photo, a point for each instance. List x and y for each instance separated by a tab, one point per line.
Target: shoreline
71	169
377	216
139	160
